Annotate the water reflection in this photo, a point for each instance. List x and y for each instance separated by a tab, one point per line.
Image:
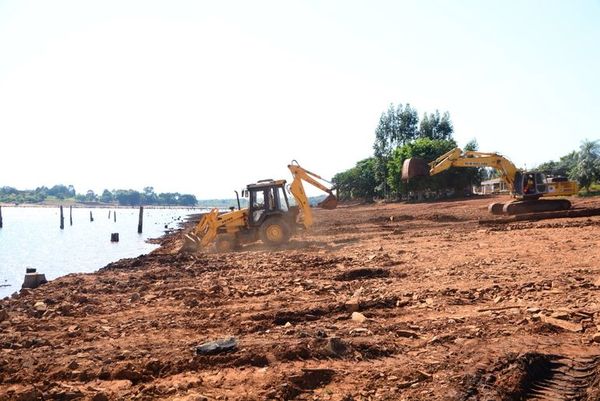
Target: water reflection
31	237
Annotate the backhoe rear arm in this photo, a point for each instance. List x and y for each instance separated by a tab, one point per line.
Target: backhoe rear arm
297	189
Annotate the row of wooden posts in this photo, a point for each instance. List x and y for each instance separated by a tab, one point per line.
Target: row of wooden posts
62	218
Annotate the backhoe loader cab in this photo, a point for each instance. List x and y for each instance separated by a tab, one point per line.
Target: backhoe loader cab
270	213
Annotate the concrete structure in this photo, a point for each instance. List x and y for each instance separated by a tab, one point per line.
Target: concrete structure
33	279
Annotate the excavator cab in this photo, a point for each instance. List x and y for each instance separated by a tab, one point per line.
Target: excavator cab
530	185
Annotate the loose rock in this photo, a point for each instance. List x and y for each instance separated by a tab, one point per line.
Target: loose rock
358	317
217	347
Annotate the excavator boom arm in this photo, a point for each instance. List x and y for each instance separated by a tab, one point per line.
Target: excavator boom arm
457	158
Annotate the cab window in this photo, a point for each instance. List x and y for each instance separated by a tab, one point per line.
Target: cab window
258	205
283	205
258	201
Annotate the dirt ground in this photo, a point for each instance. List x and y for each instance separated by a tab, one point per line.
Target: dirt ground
377	302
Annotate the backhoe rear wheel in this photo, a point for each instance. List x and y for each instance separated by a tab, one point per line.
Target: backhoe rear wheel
226	243
274	231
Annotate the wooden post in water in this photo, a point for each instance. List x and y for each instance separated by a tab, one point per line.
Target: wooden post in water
62	218
0	216
115	215
91	216
71	215
109	214
141	220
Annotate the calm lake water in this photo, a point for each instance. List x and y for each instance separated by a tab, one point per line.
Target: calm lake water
31	237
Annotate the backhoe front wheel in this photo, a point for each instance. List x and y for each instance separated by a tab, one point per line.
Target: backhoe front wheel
274	232
226	243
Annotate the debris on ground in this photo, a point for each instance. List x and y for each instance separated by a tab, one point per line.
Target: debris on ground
217	346
447	309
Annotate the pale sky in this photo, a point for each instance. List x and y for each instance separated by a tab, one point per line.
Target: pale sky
204	97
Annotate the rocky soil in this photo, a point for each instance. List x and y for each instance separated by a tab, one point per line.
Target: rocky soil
377	302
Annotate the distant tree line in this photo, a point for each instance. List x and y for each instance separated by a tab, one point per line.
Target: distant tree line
582	165
13	195
121	197
401	135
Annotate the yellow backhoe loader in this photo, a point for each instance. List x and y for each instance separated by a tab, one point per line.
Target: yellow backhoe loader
269	216
527	187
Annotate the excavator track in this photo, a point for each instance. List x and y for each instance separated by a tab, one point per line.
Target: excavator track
555	377
536	206
561	379
540	377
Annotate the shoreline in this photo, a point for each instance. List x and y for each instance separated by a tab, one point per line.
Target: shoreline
103	206
157	237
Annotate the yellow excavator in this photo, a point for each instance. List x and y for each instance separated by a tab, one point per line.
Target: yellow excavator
269	216
527	187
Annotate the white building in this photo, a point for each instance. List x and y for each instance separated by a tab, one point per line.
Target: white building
493	186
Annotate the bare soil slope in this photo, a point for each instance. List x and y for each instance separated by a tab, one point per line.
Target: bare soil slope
446	309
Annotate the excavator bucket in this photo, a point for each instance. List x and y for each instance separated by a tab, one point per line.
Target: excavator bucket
328	203
414	167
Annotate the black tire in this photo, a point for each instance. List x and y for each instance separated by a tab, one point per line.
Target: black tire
274	232
225	243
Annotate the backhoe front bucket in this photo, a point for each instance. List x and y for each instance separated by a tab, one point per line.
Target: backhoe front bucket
191	243
414	167
328	203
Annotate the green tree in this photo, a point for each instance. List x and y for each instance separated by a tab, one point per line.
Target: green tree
106	197
564	167
587	167
397	126
357	182
128	197
90	196
168	198
8	191
149	196
188	200
424	148
434	126
62	192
